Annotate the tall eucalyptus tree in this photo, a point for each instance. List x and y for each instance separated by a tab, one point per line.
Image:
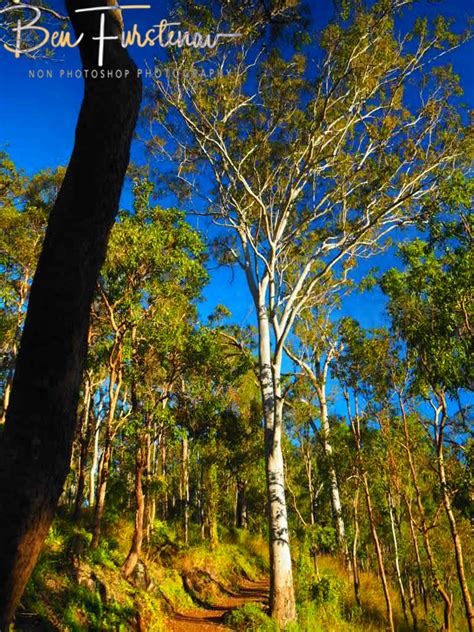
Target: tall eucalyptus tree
307	156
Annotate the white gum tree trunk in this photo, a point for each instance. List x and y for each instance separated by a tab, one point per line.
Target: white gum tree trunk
318	379
282	598
336	504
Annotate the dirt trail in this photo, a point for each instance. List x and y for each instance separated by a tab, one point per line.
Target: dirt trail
211	619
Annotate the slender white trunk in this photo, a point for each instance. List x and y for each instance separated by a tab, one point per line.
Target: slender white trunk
318	378
396	555
334	486
153	472
355	543
185	484
241	515
282	599
95	459
309	478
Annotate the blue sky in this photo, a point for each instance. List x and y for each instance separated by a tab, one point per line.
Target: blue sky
37	120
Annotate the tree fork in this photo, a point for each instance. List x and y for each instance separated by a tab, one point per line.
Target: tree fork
36	444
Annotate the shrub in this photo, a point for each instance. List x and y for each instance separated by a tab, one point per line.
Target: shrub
171	587
250	618
305	576
86	611
328	590
308	619
104	556
164	540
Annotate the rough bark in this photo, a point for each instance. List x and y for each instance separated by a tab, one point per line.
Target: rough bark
39	431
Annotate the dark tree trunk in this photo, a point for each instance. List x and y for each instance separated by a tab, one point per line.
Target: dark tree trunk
36	444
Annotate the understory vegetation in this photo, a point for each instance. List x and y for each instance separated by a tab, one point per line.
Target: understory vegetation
75	589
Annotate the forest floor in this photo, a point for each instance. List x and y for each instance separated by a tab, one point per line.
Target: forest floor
187	588
209	619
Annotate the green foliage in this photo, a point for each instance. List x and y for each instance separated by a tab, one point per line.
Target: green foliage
430	301
55	594
322	538
103	555
163	534
171	586
87	611
164	541
327	591
230	561
309	585
25	204
305	576
252	618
